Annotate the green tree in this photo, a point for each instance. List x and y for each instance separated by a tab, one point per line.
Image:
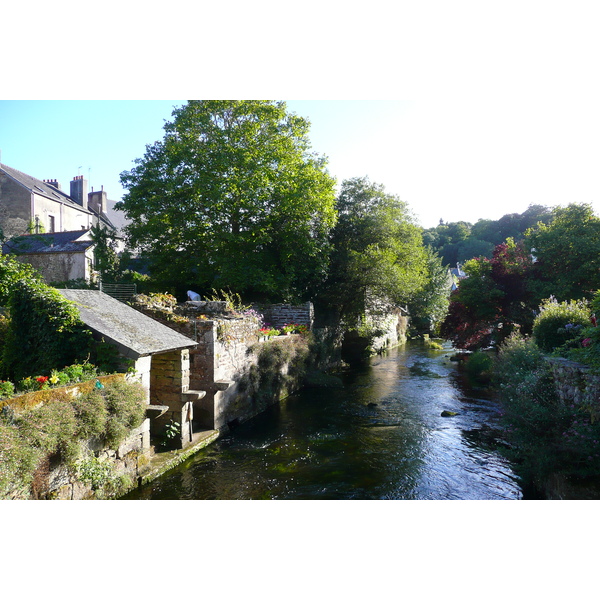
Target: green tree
378	253
233	197
11	273
430	305
494	299
105	254
567	252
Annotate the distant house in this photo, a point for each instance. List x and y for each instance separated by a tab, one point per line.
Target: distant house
29	206
456	275
58	256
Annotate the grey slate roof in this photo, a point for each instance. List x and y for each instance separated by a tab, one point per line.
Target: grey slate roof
134	333
39	187
49	243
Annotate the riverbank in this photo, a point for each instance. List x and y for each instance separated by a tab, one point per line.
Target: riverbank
161	462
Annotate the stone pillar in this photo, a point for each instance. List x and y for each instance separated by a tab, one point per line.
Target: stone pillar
169	382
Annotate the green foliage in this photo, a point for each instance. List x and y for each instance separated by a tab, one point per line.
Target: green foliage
45	331
125	403
560	323
545	434
378	251
233	301
91	414
568	253
56	429
493	300
18	461
52	429
7	389
95	472
429	307
232	197
461	241
280	366
105	253
479	366
12	273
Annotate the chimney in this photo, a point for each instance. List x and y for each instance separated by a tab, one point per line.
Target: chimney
79	190
97	201
53	183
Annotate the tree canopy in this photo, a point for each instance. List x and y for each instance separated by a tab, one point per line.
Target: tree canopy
233	197
460	241
493	300
377	250
567	252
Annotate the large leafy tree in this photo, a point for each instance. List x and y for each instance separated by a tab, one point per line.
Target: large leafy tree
494	299
567	252
429	306
233	197
378	254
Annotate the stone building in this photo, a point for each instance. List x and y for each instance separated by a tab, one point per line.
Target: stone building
59	257
31	206
159	355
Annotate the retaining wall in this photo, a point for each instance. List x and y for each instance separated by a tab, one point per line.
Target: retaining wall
575	383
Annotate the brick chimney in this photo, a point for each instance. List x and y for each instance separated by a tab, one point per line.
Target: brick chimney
97	201
53	183
79	190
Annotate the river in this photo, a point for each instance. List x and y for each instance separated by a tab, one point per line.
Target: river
381	436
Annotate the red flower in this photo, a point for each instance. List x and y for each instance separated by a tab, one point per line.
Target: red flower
585	343
41	381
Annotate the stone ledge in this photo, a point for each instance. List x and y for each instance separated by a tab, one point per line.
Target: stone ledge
165	461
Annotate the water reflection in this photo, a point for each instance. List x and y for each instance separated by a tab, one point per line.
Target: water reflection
381	437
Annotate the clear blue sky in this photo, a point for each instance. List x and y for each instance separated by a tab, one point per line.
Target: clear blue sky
464	109
451	160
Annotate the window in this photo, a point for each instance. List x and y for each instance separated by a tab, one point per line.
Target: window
51	224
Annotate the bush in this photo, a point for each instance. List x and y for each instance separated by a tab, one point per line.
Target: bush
45	332
18	461
479	366
559	324
126	406
53	429
545	434
30	442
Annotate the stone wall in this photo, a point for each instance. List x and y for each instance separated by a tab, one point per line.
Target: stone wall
394	327
278	315
575	383
123	467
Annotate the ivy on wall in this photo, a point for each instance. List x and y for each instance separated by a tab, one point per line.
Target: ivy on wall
45	332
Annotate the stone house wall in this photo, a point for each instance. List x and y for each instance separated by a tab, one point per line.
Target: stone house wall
61	266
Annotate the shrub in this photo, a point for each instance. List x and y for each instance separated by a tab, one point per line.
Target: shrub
7	389
53	429
479	365
91	414
558	324
31	441
545	434
45	331
18	461
126	406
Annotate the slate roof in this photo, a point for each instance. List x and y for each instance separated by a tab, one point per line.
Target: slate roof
49	243
41	188
134	333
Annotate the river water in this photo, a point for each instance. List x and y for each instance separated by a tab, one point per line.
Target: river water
380	437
